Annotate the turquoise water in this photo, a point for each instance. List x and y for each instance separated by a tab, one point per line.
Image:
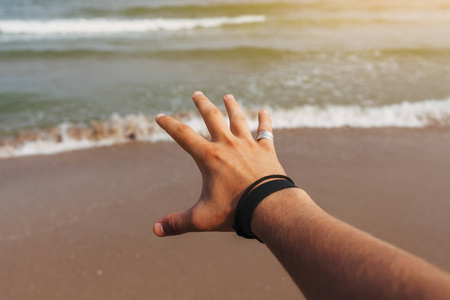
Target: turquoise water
79	61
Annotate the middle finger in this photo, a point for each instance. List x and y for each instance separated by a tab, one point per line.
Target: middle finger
212	116
238	123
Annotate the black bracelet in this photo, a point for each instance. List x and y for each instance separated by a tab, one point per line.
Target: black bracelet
250	200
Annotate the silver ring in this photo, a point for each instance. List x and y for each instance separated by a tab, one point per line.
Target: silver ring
264	134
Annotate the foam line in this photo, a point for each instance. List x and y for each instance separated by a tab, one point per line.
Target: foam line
101	26
122	129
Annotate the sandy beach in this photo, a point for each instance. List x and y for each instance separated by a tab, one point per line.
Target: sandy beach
78	225
357	92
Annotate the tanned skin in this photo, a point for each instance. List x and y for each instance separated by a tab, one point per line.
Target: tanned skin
327	258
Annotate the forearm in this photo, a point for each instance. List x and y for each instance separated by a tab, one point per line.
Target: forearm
329	259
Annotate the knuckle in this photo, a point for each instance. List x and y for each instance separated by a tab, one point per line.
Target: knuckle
269	147
265	119
212	113
251	143
172	226
211	153
231	141
181	129
241	118
266	125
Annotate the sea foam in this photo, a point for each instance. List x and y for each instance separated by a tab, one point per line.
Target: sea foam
100	26
139	127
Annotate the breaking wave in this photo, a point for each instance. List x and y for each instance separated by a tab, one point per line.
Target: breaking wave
102	26
140	127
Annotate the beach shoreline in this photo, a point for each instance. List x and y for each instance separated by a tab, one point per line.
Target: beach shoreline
78	225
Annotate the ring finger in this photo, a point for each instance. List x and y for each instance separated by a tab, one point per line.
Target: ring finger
265	124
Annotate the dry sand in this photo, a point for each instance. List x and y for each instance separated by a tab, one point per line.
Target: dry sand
79	225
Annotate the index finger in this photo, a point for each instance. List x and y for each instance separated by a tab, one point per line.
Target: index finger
184	135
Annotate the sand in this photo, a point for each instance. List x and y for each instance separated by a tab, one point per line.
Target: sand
78	225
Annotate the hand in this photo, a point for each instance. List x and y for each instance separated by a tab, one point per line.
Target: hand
229	163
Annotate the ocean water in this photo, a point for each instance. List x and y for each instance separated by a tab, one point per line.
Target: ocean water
78	74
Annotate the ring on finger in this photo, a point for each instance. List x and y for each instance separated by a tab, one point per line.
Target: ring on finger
264	134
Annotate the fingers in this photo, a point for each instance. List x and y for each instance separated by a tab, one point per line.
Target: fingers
184	135
174	224
265	124
238	123
212	116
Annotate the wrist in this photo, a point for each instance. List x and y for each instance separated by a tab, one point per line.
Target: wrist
251	198
280	210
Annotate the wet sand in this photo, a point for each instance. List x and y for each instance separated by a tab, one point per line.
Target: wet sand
79	225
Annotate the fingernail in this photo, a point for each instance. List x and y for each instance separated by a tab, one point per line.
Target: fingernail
229	97
264	111
160	226
159	116
198	93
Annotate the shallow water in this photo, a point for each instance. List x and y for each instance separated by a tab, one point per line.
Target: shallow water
82	61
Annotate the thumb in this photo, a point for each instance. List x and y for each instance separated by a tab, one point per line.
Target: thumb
174	224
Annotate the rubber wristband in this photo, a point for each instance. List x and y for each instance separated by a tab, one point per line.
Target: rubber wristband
248	204
252	186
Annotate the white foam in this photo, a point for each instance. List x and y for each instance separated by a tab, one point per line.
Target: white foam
118	129
405	114
46	147
116	26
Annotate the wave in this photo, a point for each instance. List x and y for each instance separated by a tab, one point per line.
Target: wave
405	114
118	129
116	26
222	53
230	9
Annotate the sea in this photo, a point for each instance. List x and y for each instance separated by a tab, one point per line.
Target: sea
81	74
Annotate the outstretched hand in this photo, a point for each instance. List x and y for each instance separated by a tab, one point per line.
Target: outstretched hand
229	163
